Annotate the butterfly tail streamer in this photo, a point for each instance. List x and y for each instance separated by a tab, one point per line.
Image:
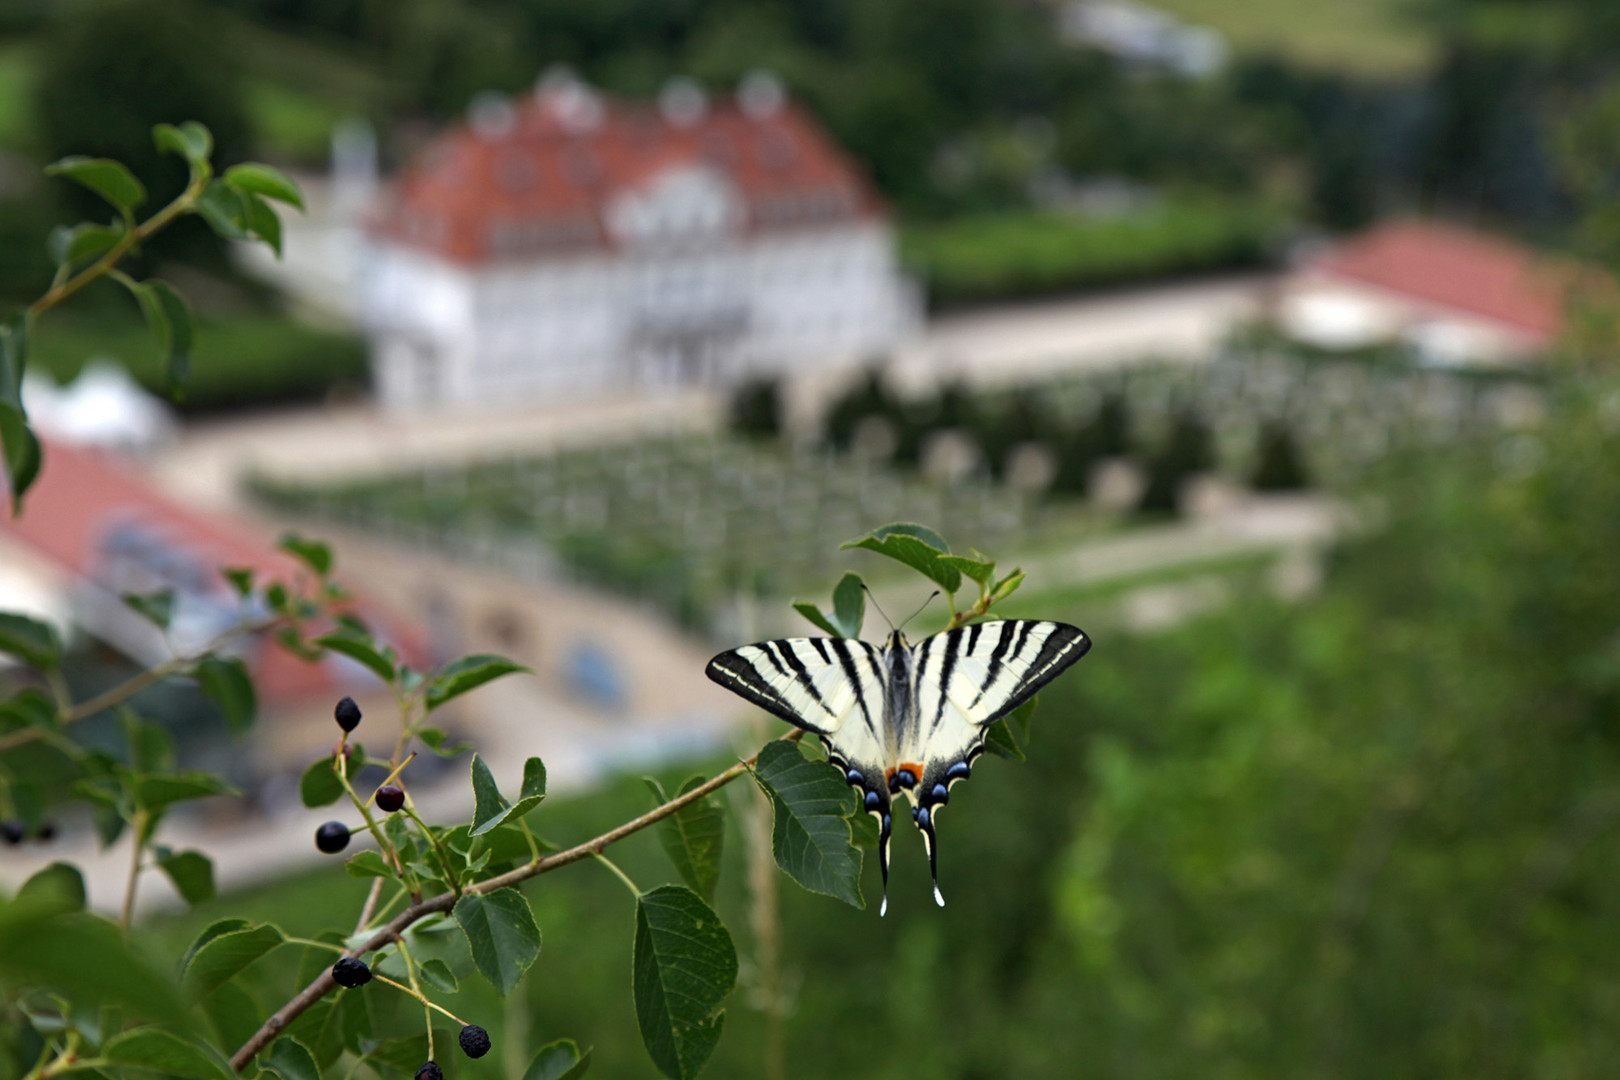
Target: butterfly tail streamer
925	823
883	863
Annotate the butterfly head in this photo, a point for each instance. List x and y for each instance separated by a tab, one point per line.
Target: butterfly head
897	641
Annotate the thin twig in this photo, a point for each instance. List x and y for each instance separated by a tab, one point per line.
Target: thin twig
323	983
635	890
138	838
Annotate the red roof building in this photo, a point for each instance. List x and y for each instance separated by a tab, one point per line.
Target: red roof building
568	244
94	529
1457	295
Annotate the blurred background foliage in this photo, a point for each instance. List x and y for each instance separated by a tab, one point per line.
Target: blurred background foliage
1367	834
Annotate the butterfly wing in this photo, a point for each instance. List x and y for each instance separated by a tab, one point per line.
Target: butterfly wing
964	681
831	687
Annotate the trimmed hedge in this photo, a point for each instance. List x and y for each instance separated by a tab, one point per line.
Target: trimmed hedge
258	359
1030	253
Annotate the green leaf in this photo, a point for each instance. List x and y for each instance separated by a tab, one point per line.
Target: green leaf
59	885
176	331
263	180
490	809
289	1060
320	786
810	611
1021	718
226	682
192	874
368	863
262	221
23	456
83	957
157	792
221	206
692	837
241	578
358	646
155	607
406	1055
685	965
488	805
811	831
849	605
1000	741
1007	586
86	240
190	140
502	934
314	554
436	740
29	708
162	1051
30	640
234	1013
104	176
214	929
224	956
560	1060
150	748
437	974
466	674
981	572
917	547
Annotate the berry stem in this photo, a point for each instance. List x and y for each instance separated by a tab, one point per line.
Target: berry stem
419	996
138	839
450	875
341	764
620	874
392	776
323	983
415	990
312	943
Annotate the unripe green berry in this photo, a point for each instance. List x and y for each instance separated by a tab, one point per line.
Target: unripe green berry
351	972
347	714
332	837
474	1041
390	797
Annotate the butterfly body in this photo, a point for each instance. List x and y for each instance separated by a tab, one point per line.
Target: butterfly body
902	719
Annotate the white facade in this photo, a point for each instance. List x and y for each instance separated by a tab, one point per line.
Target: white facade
686	290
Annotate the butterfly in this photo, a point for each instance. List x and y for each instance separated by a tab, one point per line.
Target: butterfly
903	719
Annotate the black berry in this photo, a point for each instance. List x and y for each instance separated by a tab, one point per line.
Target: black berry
390	797
46	832
474	1041
351	972
332	837
430	1071
13	831
347	714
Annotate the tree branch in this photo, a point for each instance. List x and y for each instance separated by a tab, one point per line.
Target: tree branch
324	983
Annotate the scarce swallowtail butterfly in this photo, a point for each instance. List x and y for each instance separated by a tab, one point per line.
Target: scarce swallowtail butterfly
903	718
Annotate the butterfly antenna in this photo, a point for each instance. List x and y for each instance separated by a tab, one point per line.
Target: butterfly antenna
879	607
920	610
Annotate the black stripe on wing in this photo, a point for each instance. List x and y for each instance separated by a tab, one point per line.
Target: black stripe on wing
741	676
1062	648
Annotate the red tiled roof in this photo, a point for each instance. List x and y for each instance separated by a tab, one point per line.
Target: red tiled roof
81	494
1457	268
551	180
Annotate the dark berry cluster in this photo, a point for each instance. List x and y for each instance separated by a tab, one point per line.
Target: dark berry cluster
332	837
350	972
347	714
14	831
430	1071
474	1041
390	797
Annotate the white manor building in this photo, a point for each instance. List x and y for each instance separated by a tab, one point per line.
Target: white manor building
567	246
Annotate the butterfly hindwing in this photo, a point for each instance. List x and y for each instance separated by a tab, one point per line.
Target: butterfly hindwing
963	681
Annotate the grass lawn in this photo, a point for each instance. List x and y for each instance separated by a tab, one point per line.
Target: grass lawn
1363	37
